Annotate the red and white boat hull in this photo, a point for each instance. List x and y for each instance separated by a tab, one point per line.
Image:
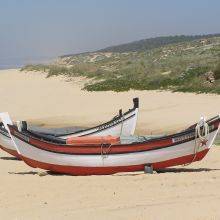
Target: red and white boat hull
160	153
123	124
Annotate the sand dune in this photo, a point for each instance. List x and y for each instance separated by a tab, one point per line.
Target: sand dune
190	192
55	102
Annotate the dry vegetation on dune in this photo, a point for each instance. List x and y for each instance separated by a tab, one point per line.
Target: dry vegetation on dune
173	63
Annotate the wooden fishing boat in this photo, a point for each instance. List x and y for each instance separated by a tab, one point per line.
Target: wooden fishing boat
121	124
108	155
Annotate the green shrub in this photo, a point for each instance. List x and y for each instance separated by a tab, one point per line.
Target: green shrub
217	71
175	67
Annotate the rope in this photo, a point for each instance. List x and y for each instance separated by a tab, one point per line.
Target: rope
104	153
201	134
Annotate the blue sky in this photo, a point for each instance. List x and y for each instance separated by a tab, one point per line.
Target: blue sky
32	28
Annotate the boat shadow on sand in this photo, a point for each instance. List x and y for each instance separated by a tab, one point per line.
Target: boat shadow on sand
186	170
9	158
39	173
170	170
167	170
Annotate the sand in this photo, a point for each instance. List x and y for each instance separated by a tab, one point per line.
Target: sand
191	192
56	102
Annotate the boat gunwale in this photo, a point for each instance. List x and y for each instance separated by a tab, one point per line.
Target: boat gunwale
211	121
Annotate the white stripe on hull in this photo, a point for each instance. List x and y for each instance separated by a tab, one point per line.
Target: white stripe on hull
125	128
111	160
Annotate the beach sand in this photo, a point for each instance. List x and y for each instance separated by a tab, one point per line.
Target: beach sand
55	102
191	192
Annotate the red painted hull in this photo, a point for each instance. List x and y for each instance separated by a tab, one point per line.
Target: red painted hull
12	152
74	170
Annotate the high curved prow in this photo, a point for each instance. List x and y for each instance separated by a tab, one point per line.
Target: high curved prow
120	113
136	102
8	122
4	116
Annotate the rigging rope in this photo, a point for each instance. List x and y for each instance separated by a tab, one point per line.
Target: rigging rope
201	136
104	153
201	132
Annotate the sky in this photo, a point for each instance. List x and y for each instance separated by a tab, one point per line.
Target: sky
31	29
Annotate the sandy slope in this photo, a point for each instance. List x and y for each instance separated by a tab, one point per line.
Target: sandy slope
56	102
176	194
